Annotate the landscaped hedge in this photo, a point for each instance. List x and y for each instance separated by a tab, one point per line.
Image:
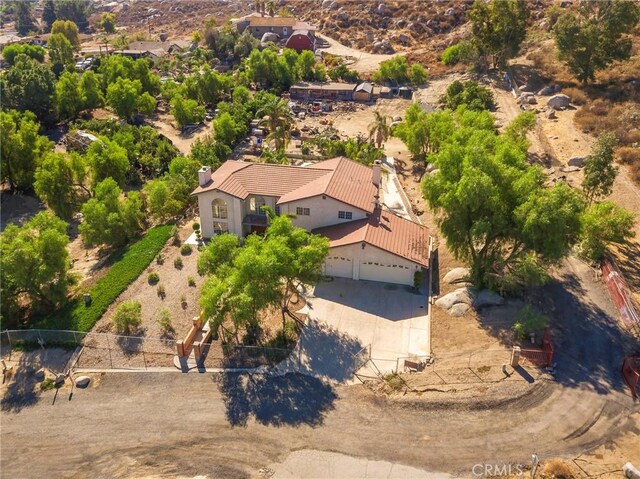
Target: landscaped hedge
131	263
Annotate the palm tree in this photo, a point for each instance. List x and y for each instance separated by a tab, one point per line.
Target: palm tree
277	116
379	129
271	8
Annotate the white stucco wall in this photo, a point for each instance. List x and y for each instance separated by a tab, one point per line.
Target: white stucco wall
234	212
324	212
370	253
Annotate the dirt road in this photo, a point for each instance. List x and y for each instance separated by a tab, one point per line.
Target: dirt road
364	62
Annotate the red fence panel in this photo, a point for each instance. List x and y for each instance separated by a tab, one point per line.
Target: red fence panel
631	373
619	292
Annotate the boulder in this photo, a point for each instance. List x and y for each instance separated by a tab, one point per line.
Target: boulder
569	169
326	3
450	11
370	36
382	8
404	38
401	23
559	102
576	161
59	380
344	16
456	275
397	118
487	298
412	26
547	91
460	295
459	309
430	167
550	113
565	4
39	375
630	471
82	381
269	37
433	172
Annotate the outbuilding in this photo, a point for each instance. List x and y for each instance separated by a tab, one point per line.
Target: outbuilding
363	92
301	40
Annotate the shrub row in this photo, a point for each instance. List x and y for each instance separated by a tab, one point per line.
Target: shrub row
130	264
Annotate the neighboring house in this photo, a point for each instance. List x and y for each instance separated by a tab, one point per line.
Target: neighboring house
308	91
257	25
8	39
337	198
301	40
154	49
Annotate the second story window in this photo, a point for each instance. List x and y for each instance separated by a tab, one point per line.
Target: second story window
345	215
277	210
303	211
255	205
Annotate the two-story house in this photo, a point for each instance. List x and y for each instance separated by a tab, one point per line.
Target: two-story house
337	198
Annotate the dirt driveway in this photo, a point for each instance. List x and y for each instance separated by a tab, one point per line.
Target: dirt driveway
365	62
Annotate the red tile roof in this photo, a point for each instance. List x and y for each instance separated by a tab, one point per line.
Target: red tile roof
384	230
339	178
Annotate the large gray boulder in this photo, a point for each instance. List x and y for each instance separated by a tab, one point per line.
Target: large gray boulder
456	275
559	102
269	37
458	310
487	298
382	8
576	161
460	295
326	3
82	381
547	91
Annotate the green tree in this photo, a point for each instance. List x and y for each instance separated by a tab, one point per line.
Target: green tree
34	266
126	98
29	85
108	22
160	201
49	14
226	129
90	92
110	220
60	51
493	208
60	183
107	159
599	170
423	132
186	111
118	67
601	224
68	96
69	29
418	74
24	18
395	71
305	64
276	115
595	35
379	130
128	316
21	147
462	52
469	93
75	10
10	52
498	29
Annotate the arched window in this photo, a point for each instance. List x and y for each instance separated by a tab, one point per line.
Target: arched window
255	205
219	208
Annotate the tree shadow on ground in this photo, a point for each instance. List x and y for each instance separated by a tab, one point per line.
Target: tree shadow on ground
326	352
288	400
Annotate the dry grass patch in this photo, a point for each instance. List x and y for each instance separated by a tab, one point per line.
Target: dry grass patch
557	469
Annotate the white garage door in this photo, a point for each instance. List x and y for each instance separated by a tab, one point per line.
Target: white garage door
386	273
338	266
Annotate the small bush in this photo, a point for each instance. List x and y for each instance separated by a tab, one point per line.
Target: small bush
164	321
196	226
394	381
128	316
161	292
186	249
160	258
183	301
153	278
629	155
191	281
459	53
177	263
175	234
557	469
578	97
47	384
529	321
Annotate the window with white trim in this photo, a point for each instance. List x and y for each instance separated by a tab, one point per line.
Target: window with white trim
255	205
220	227
303	211
219	208
345	215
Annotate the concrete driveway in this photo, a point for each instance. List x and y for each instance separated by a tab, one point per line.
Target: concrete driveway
391	318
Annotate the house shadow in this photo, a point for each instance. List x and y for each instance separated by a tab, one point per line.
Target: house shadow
589	342
393	302
327	353
288	400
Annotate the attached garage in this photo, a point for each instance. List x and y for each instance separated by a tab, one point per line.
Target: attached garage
386	273
338	266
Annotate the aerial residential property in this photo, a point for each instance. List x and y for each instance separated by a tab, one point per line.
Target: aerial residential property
320	239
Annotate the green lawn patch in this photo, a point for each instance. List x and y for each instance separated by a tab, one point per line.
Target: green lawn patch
127	266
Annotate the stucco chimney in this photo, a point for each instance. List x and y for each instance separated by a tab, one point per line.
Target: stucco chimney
204	175
375	175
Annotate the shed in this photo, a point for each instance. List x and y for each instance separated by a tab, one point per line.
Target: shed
301	40
363	92
405	92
